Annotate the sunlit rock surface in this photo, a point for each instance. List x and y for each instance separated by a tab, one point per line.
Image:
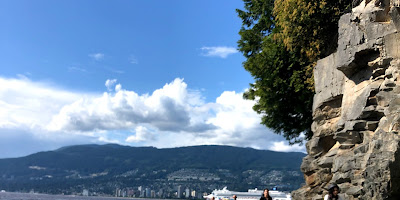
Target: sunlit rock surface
356	109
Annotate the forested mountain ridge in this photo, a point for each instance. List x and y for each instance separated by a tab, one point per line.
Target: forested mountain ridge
113	166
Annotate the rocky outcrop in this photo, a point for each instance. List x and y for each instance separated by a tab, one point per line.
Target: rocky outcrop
356	109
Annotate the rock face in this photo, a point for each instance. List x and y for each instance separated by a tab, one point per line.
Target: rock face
356	109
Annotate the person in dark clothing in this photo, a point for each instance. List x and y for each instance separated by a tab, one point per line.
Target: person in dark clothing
333	193
265	195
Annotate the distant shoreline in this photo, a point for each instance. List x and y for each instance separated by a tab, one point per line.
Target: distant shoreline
44	196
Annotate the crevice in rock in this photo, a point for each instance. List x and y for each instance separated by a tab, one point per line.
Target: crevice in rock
362	41
328	110
370	113
356	69
326	143
372	101
374	92
309	173
356	20
378	72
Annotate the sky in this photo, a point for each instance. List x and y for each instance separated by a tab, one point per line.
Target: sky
162	73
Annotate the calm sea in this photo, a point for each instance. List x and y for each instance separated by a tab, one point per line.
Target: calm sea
28	196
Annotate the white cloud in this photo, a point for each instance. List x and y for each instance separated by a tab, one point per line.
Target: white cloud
236	124
222	52
171	116
97	56
24	103
110	83
282	146
118	87
141	134
24	76
107	140
167	109
26	107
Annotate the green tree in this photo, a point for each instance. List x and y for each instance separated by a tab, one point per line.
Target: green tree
284	108
282	40
309	28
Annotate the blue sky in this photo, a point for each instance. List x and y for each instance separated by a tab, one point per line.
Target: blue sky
139	73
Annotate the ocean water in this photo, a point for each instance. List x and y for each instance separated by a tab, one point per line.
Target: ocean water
29	196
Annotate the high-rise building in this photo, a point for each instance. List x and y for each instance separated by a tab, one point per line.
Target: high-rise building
179	193
187	192
117	192
141	191
161	193
148	193
193	193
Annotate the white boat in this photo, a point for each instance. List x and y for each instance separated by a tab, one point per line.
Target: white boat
251	194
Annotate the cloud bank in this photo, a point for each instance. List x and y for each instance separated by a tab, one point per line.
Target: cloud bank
221	51
97	56
171	116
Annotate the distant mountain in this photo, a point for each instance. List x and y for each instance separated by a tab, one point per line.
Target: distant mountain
104	168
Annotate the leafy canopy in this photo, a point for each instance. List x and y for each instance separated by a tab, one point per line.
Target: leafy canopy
282	40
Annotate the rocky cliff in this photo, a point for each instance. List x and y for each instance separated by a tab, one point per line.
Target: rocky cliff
356	109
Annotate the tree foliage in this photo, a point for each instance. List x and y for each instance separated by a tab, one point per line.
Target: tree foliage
282	40
309	28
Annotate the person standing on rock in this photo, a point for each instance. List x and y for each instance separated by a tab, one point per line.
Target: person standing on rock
234	197
265	195
333	193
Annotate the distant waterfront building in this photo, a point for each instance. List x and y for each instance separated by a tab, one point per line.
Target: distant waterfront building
124	193
179	193
161	193
193	193
117	192
187	192
130	192
85	192
141	191
148	192
140	188
153	194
